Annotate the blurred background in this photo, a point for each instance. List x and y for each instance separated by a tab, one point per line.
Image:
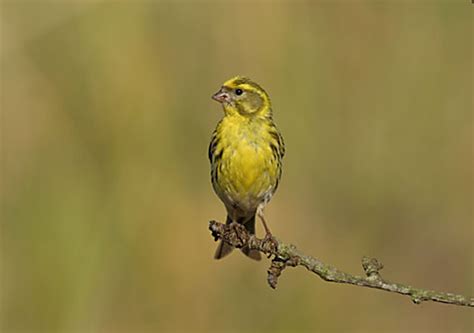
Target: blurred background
106	118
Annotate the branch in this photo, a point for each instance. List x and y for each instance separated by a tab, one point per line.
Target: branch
285	255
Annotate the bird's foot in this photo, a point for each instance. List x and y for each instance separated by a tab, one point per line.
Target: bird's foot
270	244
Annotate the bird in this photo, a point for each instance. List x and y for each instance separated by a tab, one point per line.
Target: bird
245	154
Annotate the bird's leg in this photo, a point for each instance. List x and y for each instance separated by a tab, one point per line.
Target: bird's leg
269	239
262	218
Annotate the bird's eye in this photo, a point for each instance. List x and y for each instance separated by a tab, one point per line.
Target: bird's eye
238	92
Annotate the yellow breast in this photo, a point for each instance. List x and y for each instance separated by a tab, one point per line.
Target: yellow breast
248	170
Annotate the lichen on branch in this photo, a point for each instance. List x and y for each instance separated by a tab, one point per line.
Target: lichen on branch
286	255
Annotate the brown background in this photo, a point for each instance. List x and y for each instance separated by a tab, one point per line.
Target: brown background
106	118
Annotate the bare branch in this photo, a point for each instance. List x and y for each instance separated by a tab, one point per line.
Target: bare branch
285	255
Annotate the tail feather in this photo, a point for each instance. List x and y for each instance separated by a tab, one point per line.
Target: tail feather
252	254
224	249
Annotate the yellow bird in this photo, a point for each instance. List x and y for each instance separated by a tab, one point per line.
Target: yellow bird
246	153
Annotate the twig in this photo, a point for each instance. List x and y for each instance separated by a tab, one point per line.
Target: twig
285	255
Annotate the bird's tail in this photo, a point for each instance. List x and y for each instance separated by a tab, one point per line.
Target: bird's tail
224	249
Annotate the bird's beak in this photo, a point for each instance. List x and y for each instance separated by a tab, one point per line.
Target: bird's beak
221	96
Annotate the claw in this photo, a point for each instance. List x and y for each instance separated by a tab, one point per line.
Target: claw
270	243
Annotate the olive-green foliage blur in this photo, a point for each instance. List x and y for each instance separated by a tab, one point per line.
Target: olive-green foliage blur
106	118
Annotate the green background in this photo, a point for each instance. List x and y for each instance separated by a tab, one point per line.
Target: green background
105	121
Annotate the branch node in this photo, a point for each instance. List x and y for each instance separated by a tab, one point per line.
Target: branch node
293	261
277	266
415	299
372	267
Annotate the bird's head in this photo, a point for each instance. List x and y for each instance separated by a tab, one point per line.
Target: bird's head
240	95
